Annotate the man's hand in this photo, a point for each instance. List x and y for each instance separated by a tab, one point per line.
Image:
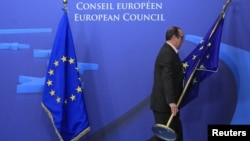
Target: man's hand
174	108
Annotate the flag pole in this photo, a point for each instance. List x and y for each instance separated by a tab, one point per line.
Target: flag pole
220	17
191	76
65	2
164	131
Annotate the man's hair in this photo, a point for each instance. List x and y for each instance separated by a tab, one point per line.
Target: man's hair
171	32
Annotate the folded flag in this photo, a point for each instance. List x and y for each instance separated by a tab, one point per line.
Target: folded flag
63	97
206	54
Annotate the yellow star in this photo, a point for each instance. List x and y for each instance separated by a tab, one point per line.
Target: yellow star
194	57
56	63
185	65
71	60
52	92
64	58
65	101
51	72
73	97
49	82
58	99
79	89
209	44
194	81
208	56
202	67
77	69
201	48
79	78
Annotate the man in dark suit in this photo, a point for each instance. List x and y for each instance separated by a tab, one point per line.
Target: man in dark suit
168	83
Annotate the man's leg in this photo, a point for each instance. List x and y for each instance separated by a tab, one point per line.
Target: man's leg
160	118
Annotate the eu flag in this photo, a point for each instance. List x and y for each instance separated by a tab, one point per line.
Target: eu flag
203	60
63	97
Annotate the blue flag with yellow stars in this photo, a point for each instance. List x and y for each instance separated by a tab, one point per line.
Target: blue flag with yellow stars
203	60
63	97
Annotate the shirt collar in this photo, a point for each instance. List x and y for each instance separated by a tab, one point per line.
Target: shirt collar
176	50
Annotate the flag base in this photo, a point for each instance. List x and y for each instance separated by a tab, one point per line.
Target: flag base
164	132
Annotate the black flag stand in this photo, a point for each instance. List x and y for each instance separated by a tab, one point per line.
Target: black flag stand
164	131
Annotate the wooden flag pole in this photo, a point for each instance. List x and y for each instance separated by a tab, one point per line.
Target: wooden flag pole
221	16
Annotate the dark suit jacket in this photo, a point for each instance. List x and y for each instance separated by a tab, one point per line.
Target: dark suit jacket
168	79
